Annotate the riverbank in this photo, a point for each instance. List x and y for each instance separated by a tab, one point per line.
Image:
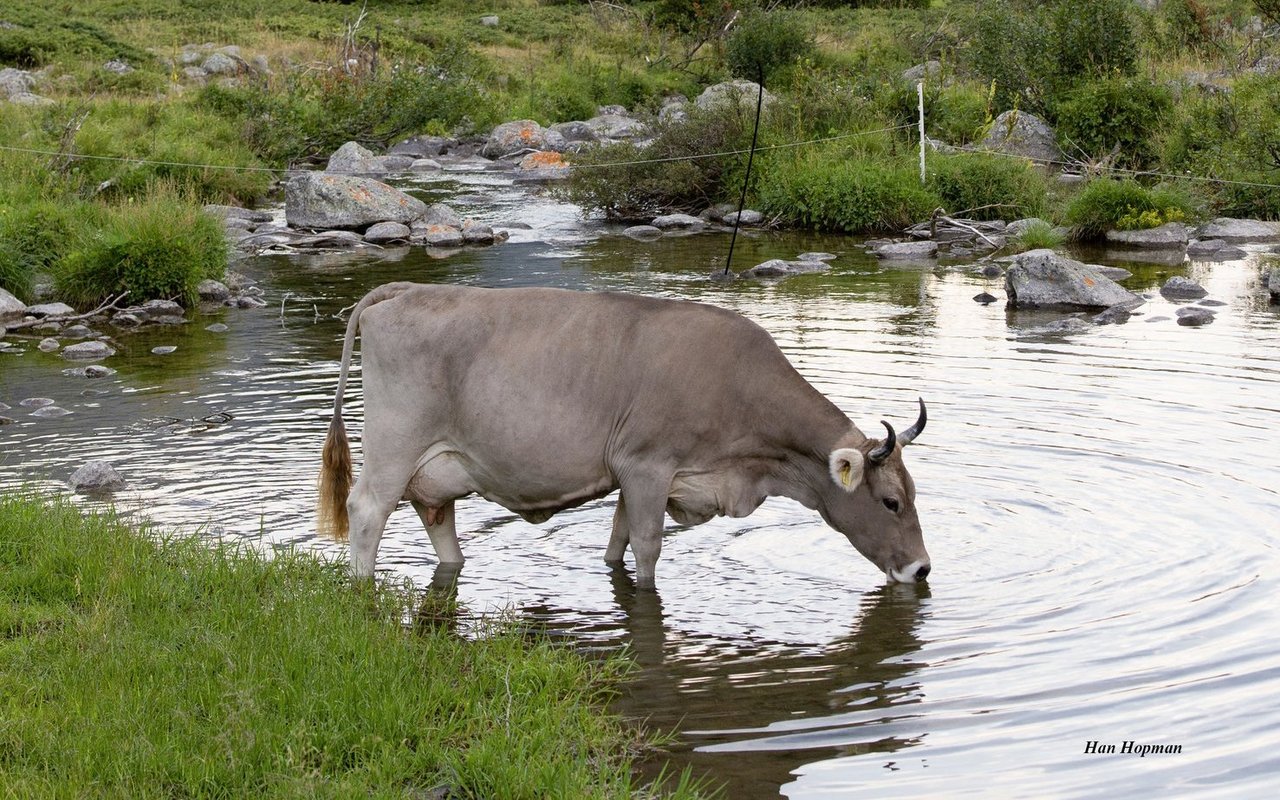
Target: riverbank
139	665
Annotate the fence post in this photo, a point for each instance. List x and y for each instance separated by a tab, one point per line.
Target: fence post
920	96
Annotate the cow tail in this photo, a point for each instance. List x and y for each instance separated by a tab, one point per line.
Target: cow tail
336	473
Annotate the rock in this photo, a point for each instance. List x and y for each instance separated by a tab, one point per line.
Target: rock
1212	303
746	217
576	131
778	268
438	214
926	71
36	402
1214	250
194	74
1182	288
249	301
643	232
217	327
51	310
1016	227
96	476
678	221
489	21
425	165
11	307
213	291
1171	235
123	319
117	66
91	371
477	232
907	250
986	298
541	166
511	138
325	201
353	158
236	212
154	309
77	332
385	232
1023	134
988	270
439	236
1194	316
1114	273
163	350
1116	315
741	93
48	345
219	63
15	82
422	146
87	350
1239	230
50	412
1273	284
675	108
816	256
1044	279
617	126
260	64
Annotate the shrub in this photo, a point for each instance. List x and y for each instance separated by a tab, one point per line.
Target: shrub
762	43
161	247
1269	9
1106	204
953	112
825	192
1092	39
1039	235
987	187
33	236
1123	113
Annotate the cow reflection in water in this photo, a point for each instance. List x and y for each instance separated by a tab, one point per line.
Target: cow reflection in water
541	400
749	713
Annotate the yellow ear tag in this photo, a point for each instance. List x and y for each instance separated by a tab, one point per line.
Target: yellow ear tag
846	475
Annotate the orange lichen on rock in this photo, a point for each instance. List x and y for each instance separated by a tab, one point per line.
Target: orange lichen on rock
542	159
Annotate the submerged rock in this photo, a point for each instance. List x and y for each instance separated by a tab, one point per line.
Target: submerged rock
48	345
1182	288
986	298
1194	316
643	232
91	371
907	250
779	268
50	412
87	350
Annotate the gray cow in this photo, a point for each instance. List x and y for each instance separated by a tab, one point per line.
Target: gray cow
544	399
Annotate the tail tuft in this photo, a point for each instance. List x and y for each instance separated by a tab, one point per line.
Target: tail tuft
335	482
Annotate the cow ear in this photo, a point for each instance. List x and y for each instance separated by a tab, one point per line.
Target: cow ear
847	467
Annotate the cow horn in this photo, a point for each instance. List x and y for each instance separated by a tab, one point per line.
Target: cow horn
882	452
915	430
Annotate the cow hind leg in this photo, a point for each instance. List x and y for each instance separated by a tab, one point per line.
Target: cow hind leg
441	527
620	537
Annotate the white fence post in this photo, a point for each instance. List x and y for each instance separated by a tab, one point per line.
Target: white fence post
920	95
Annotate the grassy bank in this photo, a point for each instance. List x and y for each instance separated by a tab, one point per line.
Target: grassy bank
135	666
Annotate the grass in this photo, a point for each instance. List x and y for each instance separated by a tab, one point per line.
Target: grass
1039	235
138	665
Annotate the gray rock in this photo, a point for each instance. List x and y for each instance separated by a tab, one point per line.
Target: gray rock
1239	230
1169	236
50	412
618	126
816	256
643	232
425	165
741	93
778	268
986	298
161	308
51	310
16	81
117	66
238	282
477	232
1273	284
519	136
260	64
542	166
163	350
1023	134
353	158
687	222
438	214
1194	316
1116	315
213	291
1211	303
1214	250
37	402
489	21
926	71
48	345
1114	273
439	236
422	146
1016	227
385	232
77	332
221	64
987	270
237	224
248	301
1044	279
325	201
1182	288
576	131
907	250
194	74
11	308
29	99
123	319
96	476
747	217
236	212
87	350
91	371
217	327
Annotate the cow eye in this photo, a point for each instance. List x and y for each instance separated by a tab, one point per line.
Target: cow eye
891	504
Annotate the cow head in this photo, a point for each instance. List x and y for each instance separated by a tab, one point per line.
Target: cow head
872	500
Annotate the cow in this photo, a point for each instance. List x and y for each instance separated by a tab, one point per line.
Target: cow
542	399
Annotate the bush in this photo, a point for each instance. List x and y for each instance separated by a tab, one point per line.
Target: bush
33	237
161	247
1123	113
826	192
1039	235
987	187
953	112
762	43
1106	204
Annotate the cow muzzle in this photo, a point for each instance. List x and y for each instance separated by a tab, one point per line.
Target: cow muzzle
912	573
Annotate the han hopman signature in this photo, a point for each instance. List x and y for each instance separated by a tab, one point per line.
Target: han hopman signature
1094	747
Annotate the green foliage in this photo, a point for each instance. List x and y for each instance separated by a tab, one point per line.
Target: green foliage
1127	113
987	187
159	247
634	191
1106	204
1092	39
823	191
1186	24
37	34
1269	9
144	665
764	42
953	112
1039	235
33	236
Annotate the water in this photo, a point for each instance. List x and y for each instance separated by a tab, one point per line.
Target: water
1100	504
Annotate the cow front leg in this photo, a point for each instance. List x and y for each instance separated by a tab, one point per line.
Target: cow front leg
620	537
368	514
645	509
440	525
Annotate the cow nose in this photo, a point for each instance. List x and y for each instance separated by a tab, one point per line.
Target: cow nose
923	572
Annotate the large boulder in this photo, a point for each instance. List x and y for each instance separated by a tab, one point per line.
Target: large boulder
11	307
520	136
741	93
617	126
1239	230
1044	279
354	159
1023	134
325	201
16	81
1169	236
